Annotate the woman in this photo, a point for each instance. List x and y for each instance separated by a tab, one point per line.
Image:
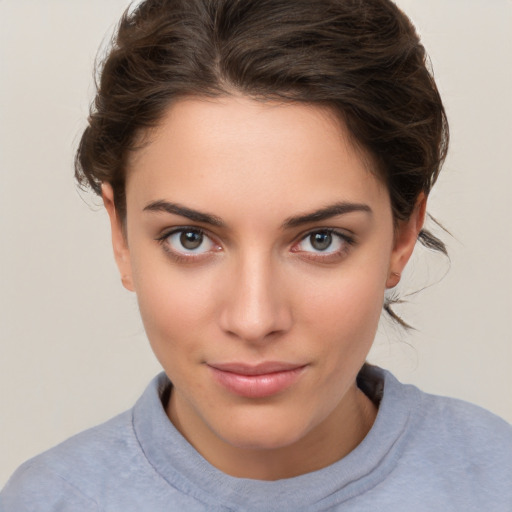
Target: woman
265	166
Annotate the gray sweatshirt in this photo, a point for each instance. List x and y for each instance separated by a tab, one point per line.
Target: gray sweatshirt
423	453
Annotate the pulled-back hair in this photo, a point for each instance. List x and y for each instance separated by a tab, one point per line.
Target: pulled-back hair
361	58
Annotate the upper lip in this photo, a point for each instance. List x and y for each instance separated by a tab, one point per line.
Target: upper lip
256	369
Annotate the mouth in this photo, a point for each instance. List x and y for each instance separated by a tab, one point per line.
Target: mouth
256	381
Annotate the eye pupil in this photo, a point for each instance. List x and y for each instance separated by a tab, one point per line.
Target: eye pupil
191	239
321	241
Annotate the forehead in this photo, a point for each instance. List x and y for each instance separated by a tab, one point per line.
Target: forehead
249	152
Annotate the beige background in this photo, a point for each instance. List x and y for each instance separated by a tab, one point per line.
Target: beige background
72	349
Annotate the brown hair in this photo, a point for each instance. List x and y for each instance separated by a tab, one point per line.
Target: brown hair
362	58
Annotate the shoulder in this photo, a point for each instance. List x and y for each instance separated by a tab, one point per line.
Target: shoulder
466	444
466	424
103	468
36	487
63	478
446	452
448	418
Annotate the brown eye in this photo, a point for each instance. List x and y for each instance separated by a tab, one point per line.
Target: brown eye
191	240
320	241
323	242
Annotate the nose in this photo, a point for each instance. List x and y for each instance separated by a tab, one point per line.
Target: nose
255	308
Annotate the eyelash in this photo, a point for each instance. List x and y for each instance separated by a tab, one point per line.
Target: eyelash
346	240
181	258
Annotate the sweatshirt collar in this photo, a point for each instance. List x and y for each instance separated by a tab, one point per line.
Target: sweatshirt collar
368	464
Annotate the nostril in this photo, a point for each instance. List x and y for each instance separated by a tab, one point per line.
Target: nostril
255	328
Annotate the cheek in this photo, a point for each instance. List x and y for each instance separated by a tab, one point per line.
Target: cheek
342	318
339	323
349	303
174	306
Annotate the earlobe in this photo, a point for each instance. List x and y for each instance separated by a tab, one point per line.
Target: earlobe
393	279
405	240
119	242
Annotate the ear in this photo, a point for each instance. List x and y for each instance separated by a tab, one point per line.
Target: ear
119	242
406	235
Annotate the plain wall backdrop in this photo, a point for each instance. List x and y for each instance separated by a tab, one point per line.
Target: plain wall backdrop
72	348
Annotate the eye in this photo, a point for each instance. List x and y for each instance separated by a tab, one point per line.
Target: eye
188	242
324	243
320	241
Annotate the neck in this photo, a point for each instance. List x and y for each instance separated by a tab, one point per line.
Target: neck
325	444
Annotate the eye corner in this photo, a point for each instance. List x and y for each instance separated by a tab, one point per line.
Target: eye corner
174	243
340	241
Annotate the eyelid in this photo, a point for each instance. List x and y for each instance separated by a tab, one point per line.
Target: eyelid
186	256
345	234
348	240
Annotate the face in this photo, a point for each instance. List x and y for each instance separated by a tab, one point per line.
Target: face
259	245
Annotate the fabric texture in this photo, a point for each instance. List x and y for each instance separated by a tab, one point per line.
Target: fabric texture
423	453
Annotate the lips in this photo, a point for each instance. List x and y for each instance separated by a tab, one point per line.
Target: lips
256	381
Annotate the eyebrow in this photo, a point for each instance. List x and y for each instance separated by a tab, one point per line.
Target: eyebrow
183	211
325	213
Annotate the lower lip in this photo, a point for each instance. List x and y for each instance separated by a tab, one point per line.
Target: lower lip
257	386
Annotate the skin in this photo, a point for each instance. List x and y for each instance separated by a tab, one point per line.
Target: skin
257	288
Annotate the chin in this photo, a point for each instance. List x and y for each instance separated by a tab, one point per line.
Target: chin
262	433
